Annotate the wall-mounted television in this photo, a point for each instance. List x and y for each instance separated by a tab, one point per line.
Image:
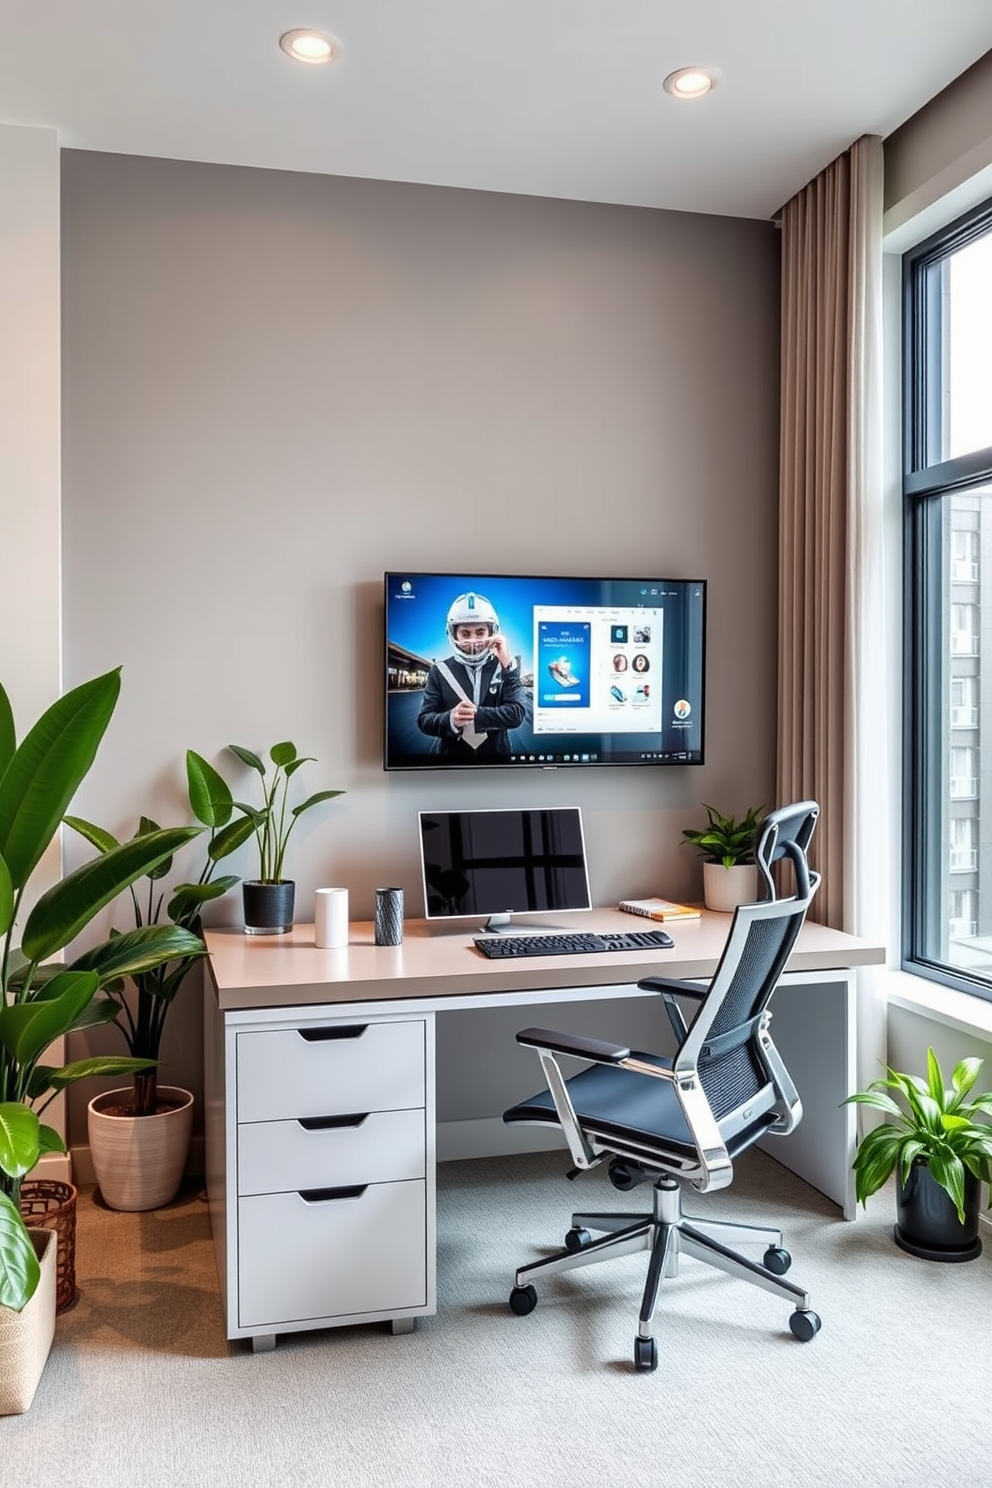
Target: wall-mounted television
514	672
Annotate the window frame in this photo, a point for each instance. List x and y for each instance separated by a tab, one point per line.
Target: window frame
927	483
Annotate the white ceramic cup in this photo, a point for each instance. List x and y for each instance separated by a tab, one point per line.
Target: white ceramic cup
330	919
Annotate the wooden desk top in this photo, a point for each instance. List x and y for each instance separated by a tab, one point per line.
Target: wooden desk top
439	961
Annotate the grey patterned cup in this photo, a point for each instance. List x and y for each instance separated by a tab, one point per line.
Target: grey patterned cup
388	917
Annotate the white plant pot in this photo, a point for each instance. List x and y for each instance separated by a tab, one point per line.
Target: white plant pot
139	1161
26	1336
725	888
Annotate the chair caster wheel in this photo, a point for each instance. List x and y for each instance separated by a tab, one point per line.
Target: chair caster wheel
576	1240
776	1260
804	1325
645	1354
523	1300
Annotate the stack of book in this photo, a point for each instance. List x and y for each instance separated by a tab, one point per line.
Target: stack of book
659	909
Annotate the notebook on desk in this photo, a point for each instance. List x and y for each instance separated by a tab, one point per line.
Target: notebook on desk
659	909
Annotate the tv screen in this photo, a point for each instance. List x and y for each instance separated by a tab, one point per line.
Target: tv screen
502	862
494	671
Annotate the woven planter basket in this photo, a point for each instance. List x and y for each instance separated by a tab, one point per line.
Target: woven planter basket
26	1336
49	1205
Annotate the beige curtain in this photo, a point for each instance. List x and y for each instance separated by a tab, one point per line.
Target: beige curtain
835	730
830	492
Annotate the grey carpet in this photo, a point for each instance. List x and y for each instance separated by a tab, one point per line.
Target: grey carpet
143	1391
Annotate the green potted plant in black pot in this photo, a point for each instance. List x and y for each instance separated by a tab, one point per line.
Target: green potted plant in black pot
730	876
139	1138
940	1149
41	1000
269	900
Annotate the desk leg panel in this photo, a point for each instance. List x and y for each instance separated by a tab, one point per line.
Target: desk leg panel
814	1028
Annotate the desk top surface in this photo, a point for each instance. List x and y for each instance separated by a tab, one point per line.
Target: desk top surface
437	961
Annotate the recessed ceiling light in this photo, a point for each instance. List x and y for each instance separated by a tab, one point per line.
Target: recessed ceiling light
310	46
690	82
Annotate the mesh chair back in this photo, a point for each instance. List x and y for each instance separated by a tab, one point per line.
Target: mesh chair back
786	834
723	1042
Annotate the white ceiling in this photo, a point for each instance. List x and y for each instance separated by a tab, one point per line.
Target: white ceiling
559	98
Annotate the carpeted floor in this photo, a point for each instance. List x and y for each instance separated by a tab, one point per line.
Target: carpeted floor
143	1391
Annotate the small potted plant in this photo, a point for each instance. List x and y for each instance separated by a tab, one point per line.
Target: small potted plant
940	1148
139	1138
42	1000
730	876
269	899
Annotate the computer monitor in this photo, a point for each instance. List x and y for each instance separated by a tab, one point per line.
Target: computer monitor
501	863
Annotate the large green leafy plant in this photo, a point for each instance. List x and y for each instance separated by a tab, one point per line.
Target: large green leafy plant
935	1125
275	819
141	1018
726	839
42	1000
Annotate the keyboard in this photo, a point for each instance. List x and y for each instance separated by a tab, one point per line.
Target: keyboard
499	947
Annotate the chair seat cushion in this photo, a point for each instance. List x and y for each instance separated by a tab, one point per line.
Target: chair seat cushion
618	1103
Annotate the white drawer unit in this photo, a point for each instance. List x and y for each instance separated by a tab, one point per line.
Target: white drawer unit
328	1152
320	1157
324	1069
342	1253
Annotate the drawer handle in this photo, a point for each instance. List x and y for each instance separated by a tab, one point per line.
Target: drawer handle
330	1195
328	1123
341	1031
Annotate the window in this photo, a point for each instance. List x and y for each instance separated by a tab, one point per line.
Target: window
964	913
964	556
963	856
964	702
964	774
947	486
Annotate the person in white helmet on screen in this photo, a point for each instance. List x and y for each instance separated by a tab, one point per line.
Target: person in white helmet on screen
475	695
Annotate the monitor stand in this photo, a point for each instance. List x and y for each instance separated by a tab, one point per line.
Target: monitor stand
505	924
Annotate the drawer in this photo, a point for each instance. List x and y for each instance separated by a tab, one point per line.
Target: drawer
374	1148
307	1257
331	1070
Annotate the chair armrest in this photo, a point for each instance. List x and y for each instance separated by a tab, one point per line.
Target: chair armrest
568	1043
670	989
670	984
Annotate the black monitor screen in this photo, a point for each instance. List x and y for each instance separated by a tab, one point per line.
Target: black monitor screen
502	862
542	672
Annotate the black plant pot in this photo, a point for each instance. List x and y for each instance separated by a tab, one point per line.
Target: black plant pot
268	906
928	1223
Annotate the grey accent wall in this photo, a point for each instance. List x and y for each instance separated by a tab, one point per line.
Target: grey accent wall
276	386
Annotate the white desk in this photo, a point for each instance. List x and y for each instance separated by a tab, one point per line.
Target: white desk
321	1138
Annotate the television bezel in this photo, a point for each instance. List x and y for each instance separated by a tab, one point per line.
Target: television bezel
433	761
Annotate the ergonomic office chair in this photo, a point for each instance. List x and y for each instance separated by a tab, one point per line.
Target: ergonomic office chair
684	1119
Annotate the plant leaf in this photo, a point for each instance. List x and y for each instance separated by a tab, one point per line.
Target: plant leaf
296	764
139	951
187	899
19	1139
20	1271
948	1171
6	899
326	795
247	757
49	1140
209	793
8	735
47	768
283	754
27	1028
68	906
94	835
230	838
106	1064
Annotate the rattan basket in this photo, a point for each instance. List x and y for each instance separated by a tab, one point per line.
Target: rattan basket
47	1204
